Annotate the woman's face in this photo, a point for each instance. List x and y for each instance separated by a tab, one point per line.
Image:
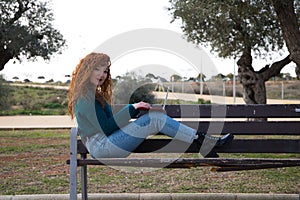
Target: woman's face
99	75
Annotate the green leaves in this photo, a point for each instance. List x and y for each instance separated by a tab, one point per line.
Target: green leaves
27	31
230	26
131	89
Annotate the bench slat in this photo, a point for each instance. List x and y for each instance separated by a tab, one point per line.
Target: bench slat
237	146
226	164
231	111
247	127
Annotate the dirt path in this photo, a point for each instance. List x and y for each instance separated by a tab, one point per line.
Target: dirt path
36	121
218	99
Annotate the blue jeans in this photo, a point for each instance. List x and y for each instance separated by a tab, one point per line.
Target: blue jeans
125	140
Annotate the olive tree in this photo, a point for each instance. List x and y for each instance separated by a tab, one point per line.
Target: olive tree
132	89
245	29
26	31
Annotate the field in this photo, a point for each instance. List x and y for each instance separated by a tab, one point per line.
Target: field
28	100
33	162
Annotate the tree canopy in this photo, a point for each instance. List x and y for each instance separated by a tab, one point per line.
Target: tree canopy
26	31
235	28
231	26
131	89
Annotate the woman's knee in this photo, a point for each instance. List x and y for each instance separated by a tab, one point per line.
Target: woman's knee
157	115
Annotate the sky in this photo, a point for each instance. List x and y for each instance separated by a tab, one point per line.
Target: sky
86	24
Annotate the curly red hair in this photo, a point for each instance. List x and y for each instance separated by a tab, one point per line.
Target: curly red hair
80	83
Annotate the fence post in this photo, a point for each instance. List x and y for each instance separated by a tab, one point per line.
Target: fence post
282	90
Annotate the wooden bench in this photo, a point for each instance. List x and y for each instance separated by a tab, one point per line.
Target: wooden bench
279	134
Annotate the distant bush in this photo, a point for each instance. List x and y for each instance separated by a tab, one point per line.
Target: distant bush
6	92
26	100
143	93
29	102
202	101
130	89
52	105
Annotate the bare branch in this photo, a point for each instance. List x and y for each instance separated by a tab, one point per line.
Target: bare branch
275	68
19	13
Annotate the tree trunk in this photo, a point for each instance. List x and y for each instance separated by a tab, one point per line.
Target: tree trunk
254	87
290	28
254	90
5	56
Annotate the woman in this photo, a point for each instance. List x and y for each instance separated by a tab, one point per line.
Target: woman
106	135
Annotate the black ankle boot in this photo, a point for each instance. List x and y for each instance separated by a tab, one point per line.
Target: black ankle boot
226	139
218	141
206	154
211	154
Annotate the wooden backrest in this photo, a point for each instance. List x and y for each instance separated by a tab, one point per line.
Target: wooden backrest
230	111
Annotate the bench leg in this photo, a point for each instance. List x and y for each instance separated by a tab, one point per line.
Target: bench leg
84	179
73	164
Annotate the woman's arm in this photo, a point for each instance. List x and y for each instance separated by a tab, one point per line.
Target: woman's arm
110	123
86	118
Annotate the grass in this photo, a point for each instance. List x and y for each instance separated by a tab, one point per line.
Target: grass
33	162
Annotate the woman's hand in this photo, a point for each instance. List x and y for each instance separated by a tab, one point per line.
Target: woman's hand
142	105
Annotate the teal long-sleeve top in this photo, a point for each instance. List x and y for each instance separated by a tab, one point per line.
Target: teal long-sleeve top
92	118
